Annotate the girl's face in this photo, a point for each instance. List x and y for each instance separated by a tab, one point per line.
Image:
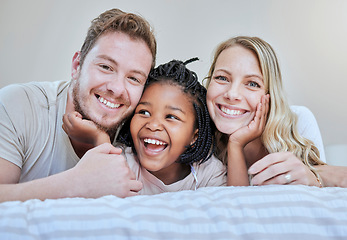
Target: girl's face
163	124
235	89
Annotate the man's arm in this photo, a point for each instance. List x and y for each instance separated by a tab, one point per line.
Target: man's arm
102	171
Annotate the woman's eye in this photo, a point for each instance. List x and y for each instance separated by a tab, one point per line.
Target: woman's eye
253	84
221	78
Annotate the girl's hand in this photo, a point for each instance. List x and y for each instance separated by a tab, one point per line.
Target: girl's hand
281	168
83	130
255	128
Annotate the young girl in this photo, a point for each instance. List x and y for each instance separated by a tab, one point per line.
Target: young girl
170	133
257	130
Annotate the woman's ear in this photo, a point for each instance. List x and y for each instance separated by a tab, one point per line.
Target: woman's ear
75	68
195	136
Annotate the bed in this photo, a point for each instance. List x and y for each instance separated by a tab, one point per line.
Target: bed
266	212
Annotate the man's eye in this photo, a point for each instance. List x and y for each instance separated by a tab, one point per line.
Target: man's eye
105	67
134	79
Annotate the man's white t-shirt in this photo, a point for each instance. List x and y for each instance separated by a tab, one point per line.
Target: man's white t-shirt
31	134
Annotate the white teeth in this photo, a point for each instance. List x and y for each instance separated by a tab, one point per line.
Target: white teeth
230	112
153	141
107	103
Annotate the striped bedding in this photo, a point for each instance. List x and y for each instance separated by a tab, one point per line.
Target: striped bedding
268	212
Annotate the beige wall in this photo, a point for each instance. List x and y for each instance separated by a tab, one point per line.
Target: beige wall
38	39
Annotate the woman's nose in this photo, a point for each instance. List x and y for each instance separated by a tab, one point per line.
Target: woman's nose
233	93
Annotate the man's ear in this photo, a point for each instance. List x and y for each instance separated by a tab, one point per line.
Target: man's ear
75	68
195	136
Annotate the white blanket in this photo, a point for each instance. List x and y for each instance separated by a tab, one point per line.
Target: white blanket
269	212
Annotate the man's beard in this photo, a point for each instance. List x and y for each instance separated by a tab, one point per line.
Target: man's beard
110	130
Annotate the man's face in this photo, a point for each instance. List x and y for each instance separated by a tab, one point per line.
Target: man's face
110	82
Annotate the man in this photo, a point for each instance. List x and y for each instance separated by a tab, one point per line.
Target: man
37	158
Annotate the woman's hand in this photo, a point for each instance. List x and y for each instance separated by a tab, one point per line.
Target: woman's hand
255	128
83	130
237	168
281	168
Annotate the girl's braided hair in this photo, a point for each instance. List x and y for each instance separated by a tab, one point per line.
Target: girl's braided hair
176	73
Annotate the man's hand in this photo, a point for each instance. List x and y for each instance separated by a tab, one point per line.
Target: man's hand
104	171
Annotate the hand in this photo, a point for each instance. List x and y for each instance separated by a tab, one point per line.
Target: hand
255	128
281	168
103	171
83	130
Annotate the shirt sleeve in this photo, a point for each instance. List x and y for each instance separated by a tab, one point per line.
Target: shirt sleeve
13	103
212	173
308	128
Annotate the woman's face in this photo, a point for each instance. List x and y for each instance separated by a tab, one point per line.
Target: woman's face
235	89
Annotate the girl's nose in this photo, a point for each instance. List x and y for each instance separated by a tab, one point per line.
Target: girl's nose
154	124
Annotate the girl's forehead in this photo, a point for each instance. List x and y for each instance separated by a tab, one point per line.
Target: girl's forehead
164	91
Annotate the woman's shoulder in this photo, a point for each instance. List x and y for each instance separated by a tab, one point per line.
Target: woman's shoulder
301	111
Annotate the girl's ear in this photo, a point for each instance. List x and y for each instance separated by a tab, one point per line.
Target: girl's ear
195	136
75	68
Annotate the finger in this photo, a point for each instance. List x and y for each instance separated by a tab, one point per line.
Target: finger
107	148
132	194
265	162
264	111
273	172
267	105
66	123
282	179
74	119
78	115
258	113
135	185
254	124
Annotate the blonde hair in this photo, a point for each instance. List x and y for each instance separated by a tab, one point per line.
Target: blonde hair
280	133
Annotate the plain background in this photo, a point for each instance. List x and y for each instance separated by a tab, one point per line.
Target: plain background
39	37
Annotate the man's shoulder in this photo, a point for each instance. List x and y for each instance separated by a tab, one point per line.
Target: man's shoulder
34	87
33	92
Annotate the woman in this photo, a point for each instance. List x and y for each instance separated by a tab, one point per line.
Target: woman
246	101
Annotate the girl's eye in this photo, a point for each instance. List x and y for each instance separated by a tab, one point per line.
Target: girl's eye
143	112
170	116
253	84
